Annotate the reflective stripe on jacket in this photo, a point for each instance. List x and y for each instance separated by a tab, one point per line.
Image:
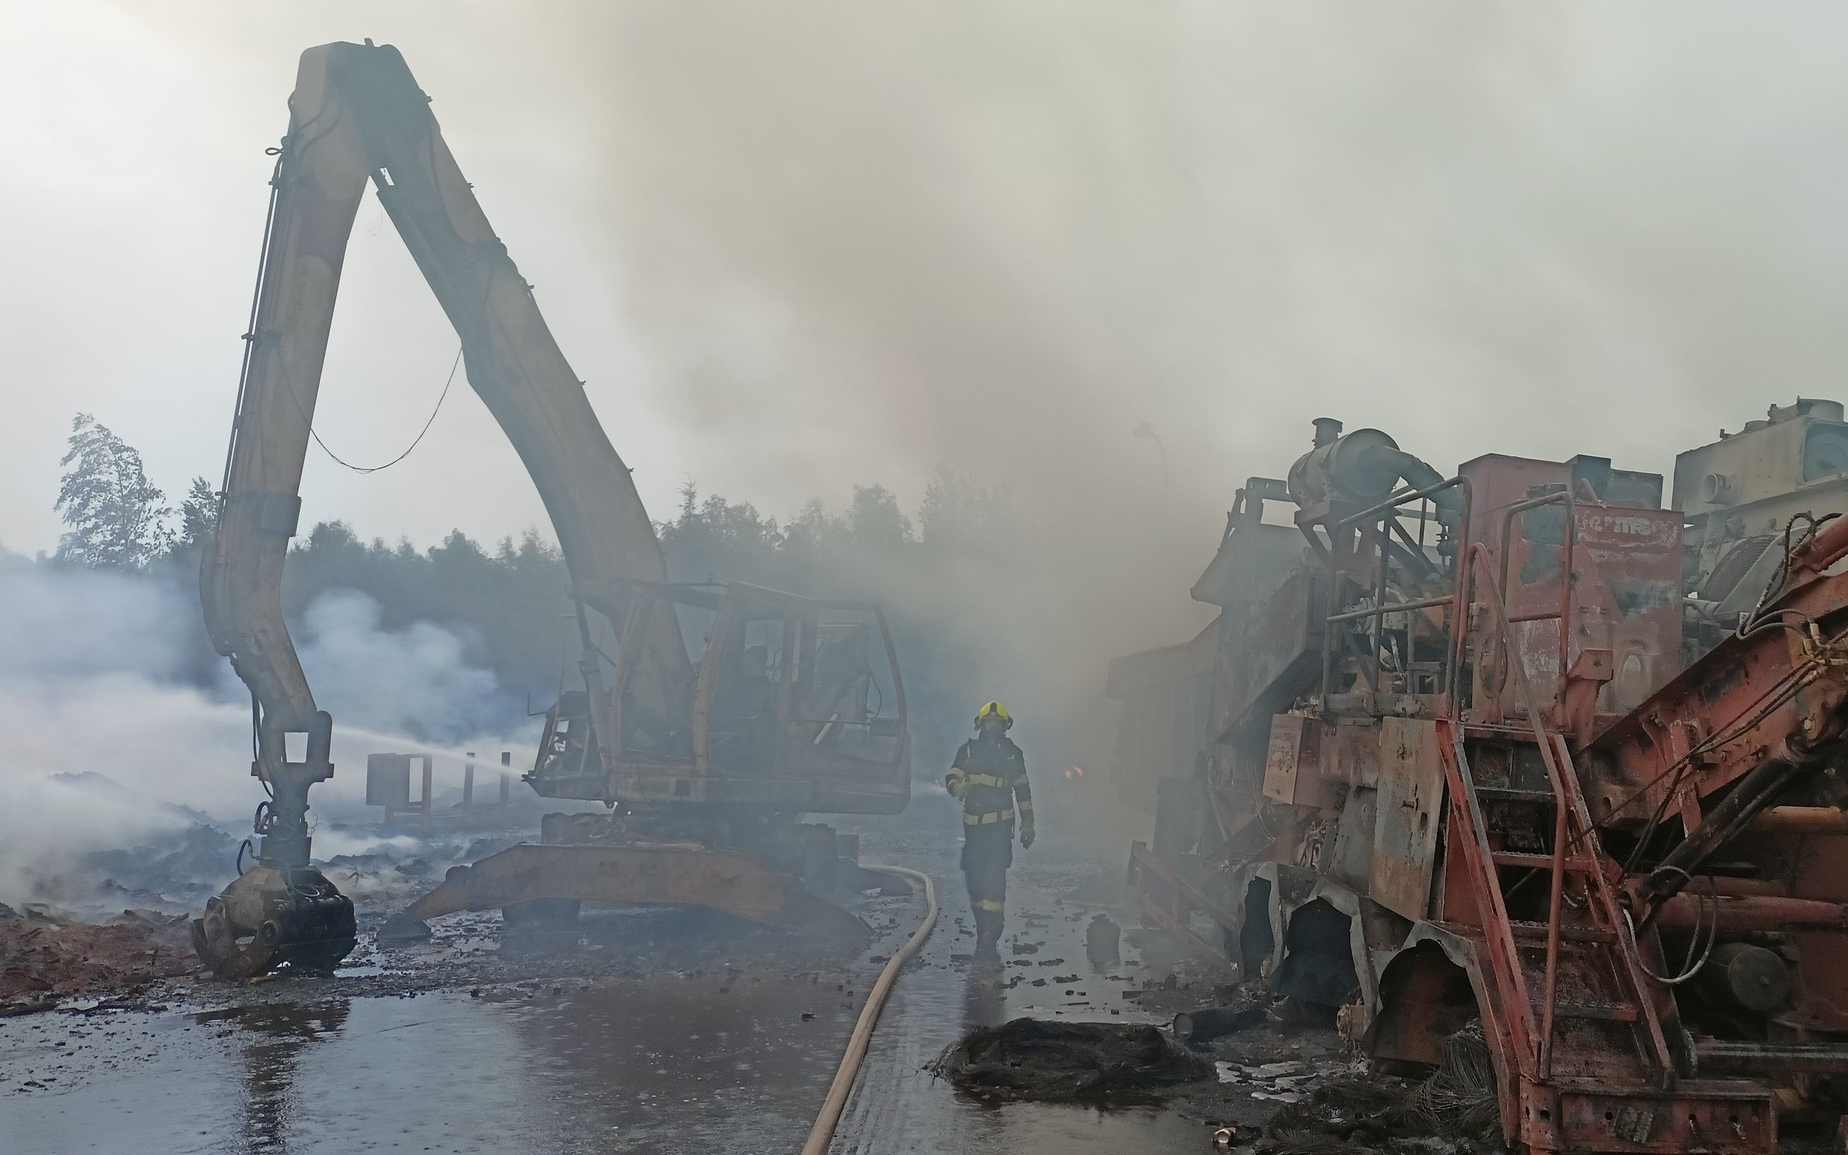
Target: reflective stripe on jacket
989	775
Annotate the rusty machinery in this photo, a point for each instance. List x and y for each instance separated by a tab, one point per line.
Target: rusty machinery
706	718
1740	495
1461	769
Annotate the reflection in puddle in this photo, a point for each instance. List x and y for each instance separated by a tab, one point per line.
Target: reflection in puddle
271	1041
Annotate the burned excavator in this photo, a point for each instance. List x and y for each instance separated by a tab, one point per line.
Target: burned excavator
1522	762
709	718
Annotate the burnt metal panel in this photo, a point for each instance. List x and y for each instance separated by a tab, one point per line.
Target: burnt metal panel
1252	560
1411	799
1290	746
1354	848
1276	657
1626	584
1353	752
388	780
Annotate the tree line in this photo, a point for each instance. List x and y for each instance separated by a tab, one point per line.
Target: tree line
510	601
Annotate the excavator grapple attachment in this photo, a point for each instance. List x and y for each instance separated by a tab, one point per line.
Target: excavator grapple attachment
267	917
626	875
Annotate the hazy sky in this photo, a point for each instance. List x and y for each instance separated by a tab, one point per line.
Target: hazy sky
793	247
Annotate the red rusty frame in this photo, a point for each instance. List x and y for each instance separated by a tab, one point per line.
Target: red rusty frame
1534	1095
1779	688
1570	810
1574	706
1546	1111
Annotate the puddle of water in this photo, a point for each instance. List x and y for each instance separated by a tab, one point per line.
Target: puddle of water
718	1064
898	1108
711	1064
337	1076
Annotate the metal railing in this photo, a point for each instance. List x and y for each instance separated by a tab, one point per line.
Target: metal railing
1385	514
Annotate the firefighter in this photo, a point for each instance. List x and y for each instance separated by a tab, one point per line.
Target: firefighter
989	776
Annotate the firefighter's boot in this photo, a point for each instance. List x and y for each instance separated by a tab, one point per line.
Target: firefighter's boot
988	918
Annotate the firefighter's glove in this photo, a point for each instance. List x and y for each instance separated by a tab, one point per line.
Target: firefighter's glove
1026	837
953	782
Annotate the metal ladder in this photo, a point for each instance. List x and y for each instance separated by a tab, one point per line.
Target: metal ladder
1605	933
1576	851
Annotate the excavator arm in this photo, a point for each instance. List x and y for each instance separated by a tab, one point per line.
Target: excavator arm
356	117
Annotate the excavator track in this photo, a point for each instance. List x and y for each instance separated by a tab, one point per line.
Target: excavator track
609	874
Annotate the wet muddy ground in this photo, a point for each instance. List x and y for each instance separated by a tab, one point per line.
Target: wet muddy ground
1054	892
662	1031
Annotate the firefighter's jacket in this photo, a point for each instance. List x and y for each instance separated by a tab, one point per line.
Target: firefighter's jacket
989	776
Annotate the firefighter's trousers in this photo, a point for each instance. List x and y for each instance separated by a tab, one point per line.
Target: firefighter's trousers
987	853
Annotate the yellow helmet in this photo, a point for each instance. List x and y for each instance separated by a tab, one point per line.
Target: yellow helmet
994	710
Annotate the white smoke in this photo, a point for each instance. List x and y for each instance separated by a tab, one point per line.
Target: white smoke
92	682
83	623
416	681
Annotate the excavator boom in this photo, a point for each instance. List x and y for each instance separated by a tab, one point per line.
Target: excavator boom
356	117
795	704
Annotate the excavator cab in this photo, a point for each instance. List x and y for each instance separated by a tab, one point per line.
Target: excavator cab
795	705
568	747
802	705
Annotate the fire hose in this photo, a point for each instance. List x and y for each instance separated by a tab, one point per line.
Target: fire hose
822	1133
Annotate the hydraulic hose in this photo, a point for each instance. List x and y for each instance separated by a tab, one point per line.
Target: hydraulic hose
822	1133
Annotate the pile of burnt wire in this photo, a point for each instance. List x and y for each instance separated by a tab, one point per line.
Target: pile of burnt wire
1368	1115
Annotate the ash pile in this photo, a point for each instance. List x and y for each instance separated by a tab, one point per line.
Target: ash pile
1451	1110
1289	1081
1261	1074
46	957
1056	1062
111	918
